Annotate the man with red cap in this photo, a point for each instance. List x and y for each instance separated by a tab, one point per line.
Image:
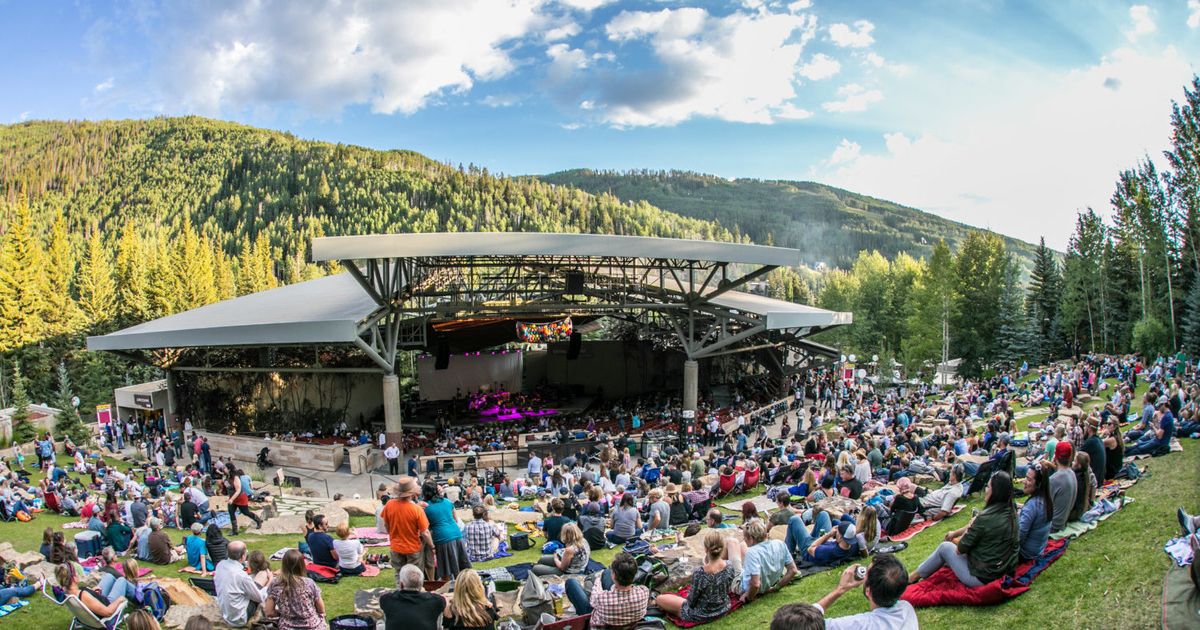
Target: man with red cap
1063	485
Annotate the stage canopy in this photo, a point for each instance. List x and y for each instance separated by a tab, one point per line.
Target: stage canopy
420	291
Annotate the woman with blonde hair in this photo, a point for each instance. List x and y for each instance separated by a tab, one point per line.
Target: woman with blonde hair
349	551
708	595
572	559
867	528
141	620
294	597
468	607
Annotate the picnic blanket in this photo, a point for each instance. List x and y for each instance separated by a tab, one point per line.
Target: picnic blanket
1075	529
370	537
1176	447
761	502
8	608
735	602
917	527
521	570
943	588
1180	600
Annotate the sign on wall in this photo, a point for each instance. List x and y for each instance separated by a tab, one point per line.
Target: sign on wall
103	414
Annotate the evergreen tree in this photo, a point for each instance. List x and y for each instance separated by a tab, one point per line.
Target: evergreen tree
68	422
22	283
96	288
132	307
23	430
1191	321
1043	300
62	314
1015	336
980	268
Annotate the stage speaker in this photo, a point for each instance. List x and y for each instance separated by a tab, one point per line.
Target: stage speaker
443	355
573	346
574	283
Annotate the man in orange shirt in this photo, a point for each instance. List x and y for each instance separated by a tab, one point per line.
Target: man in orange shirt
408	528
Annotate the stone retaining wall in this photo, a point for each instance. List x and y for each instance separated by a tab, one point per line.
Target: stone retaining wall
288	454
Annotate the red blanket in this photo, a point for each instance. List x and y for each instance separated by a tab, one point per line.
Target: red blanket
916	528
735	602
943	589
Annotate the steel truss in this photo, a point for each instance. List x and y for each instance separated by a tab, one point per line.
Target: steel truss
669	299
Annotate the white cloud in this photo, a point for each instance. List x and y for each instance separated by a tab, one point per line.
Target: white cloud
1142	22
1193	20
847	151
801	5
104	86
24	116
854	98
789	111
1025	165
585	5
874	59
396	57
740	67
501	100
570	29
821	66
857	36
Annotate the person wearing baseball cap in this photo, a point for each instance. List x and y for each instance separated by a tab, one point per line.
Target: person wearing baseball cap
1157	439
1063	485
407	526
834	547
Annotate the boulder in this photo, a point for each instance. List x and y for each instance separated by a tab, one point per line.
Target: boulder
178	615
300	492
366	602
358	507
40	571
294	523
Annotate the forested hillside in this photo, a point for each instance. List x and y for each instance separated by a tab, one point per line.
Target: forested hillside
828	224
106	224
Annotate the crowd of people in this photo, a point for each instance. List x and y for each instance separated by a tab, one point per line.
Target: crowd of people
859	467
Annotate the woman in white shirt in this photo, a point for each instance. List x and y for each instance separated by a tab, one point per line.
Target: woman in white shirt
349	551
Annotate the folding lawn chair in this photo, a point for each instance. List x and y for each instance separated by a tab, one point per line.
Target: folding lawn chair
85	619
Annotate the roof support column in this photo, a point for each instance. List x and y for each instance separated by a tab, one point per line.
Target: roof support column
392	422
691	386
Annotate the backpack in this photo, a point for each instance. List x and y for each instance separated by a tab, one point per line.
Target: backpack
153	599
322	579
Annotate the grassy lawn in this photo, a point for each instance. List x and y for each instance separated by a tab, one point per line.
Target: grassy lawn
1111	577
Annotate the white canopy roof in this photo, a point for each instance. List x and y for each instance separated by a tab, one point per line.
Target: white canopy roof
421	245
330	309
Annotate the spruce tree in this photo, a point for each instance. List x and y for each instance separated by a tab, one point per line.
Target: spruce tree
22	283
23	430
1044	295
97	292
68	422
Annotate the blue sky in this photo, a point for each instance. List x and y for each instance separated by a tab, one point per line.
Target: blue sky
1008	115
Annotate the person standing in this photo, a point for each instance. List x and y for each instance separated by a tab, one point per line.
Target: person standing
407	526
392	453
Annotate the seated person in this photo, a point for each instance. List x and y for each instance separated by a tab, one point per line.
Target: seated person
197	551
482	537
238	595
903	508
1085	484
833	547
987	547
799	537
102	601
572	559
409	606
1156	440
553	523
320	543
619	603
726	482
938	504
708	596
766	564
1036	515
885	583
348	550
161	549
715	519
626	522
